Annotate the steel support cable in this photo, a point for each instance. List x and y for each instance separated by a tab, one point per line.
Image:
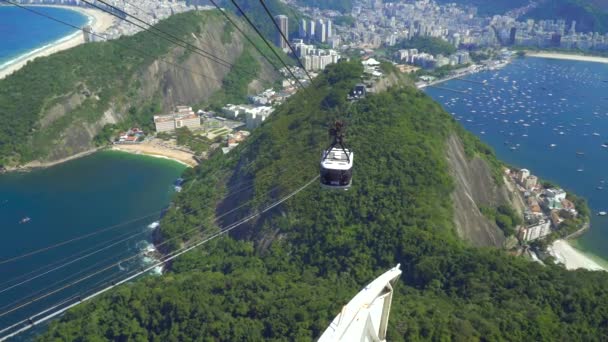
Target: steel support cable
181	252
266	42
152	214
114	41
138	254
286	40
59	282
72	260
246	36
51	308
162	34
233	24
62	260
79	257
173	38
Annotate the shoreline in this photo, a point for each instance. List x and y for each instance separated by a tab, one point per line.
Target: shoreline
33	165
572	258
562	250
181	157
98	20
567	56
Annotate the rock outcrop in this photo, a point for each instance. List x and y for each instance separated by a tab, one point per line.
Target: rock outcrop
475	187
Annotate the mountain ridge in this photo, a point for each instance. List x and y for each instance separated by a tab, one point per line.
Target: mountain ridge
288	273
122	82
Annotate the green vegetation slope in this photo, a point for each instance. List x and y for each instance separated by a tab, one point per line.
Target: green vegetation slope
53	107
589	16
286	275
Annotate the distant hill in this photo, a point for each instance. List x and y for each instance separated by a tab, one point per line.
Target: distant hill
590	15
54	106
490	7
285	275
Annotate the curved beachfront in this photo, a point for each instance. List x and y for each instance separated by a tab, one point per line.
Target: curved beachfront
98	20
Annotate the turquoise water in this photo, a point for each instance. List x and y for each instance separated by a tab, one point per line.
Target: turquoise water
22	32
70	200
533	103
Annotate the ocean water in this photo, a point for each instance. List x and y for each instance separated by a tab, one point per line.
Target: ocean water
22	32
546	115
70	200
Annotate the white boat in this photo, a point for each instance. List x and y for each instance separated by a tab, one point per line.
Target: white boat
602	213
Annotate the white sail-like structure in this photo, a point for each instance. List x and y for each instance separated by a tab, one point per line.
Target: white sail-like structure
365	317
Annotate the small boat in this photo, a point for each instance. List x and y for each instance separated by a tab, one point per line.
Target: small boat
600	188
552	145
580	170
25	220
596	134
580	153
602	213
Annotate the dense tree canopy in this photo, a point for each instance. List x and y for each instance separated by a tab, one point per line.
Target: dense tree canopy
590	15
284	276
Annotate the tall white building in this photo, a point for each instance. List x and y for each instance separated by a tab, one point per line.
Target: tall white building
536	231
302	28
320	33
88	34
523	174
328	29
283	22
311	29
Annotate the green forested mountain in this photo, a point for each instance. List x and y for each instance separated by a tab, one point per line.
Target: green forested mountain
286	275
54	106
590	15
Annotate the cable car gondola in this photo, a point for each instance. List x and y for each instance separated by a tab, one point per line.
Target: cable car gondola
337	161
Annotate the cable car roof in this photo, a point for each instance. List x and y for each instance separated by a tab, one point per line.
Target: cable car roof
336	159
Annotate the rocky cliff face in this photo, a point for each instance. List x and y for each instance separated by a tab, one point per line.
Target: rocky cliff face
475	187
199	79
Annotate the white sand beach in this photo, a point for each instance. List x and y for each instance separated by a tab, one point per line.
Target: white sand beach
567	56
99	21
155	150
564	253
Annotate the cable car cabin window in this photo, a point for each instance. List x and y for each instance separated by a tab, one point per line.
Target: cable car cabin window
336	177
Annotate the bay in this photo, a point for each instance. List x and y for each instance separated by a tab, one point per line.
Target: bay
22	32
97	193
549	116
